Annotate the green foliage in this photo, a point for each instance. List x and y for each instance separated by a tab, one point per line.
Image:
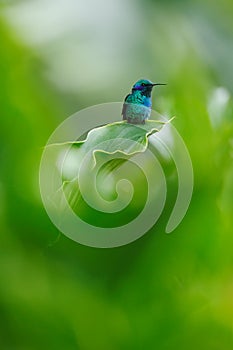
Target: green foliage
104	150
117	137
162	291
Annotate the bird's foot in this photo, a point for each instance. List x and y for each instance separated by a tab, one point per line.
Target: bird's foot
137	122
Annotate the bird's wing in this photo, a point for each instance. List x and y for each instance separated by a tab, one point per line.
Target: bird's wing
124	107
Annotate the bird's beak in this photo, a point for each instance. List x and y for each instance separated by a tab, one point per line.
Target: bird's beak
158	84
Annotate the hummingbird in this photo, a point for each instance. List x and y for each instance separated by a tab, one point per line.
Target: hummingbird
137	105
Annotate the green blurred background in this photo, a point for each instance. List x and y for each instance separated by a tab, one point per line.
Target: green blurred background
162	291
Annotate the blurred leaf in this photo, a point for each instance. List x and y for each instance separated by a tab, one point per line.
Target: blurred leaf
95	160
119	137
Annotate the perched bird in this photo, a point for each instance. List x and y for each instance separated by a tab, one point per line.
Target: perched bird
137	105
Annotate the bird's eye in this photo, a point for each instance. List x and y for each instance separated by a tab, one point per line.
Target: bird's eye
143	84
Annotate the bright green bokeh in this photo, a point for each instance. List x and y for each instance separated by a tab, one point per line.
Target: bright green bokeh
162	291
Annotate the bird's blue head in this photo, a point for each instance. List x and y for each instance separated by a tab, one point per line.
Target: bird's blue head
145	86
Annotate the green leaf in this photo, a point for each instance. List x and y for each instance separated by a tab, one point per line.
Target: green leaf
106	149
119	137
